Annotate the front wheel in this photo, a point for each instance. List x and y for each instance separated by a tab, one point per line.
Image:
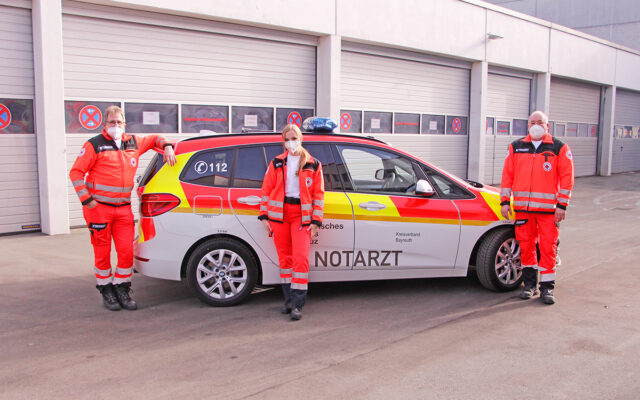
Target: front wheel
222	272
498	262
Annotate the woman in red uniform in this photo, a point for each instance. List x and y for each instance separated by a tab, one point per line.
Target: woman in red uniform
291	209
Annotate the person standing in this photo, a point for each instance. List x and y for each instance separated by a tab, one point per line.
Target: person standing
102	176
291	210
538	172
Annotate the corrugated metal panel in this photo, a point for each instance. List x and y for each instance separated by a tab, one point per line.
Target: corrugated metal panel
496	151
157	63
627	108
574	102
445	152
19	195
585	154
374	83
508	96
16	46
626	155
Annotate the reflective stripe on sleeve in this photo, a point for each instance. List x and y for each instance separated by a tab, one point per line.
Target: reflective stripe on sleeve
264	198
565	192
563	201
263	208
306	218
318	203
274	203
272	214
506	192
77	183
82	192
319	213
305	207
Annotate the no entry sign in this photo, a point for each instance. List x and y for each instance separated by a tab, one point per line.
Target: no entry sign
90	117
294	118
5	116
456	125
345	121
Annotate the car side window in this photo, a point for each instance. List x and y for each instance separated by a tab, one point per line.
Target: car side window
209	168
250	167
445	186
376	170
322	153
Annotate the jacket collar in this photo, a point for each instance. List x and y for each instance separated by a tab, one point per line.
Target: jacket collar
547	138
124	137
284	155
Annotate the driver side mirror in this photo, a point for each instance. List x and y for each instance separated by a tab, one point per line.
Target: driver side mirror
424	188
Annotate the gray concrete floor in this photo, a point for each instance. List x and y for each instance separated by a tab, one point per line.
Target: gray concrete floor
409	339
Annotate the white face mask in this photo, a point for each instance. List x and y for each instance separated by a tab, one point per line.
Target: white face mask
292	145
536	132
115	132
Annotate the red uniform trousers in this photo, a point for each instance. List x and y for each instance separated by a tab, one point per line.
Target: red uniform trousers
107	222
292	242
532	228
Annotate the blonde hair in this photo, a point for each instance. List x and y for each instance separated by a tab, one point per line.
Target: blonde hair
304	156
113	110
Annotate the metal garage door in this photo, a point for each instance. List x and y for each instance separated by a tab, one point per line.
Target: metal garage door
508	99
392	85
626	142
19	197
179	61
574	112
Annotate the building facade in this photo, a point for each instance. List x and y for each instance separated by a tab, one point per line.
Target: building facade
451	81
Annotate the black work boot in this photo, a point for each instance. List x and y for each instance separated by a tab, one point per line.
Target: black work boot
122	292
296	314
286	291
109	299
546	292
530	276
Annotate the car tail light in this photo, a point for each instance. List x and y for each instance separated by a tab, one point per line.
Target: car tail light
154	204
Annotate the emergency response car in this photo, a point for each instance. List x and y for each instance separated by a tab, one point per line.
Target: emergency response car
387	215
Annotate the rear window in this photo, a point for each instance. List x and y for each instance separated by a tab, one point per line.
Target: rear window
209	168
152	169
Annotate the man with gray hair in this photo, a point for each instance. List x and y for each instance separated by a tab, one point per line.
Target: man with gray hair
538	172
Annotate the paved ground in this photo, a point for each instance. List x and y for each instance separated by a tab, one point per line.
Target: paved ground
411	339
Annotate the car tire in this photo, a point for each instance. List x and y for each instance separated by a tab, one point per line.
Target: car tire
222	272
498	261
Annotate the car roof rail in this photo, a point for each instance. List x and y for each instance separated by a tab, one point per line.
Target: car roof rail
267	133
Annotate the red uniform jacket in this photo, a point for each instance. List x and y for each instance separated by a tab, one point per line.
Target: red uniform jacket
110	171
540	179
311	191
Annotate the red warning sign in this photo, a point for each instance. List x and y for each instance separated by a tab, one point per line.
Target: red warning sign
345	121
5	116
90	117
456	125
294	118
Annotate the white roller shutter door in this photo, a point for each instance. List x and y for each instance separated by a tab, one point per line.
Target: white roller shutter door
508	98
626	150
159	58
379	83
577	103
19	195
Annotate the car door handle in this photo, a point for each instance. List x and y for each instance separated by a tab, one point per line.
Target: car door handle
372	206
249	200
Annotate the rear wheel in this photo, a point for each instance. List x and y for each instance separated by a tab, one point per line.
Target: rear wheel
222	272
498	261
